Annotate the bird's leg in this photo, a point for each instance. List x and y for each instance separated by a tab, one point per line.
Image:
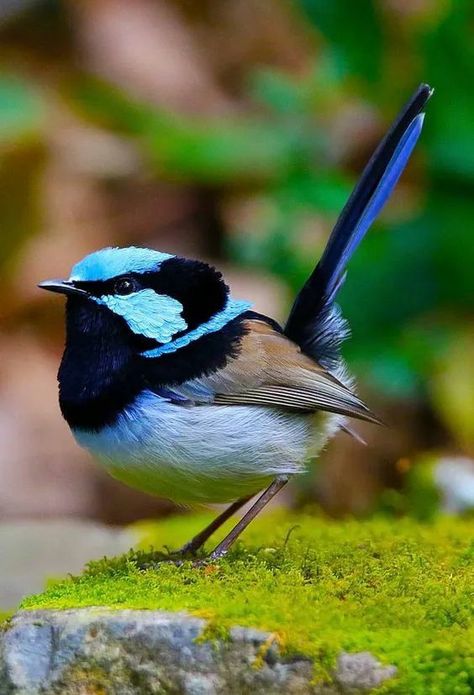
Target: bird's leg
198	541
254	510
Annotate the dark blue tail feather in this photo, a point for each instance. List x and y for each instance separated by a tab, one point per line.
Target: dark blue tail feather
315	322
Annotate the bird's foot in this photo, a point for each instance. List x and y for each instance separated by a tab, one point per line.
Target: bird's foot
157	558
188	550
210	560
187	554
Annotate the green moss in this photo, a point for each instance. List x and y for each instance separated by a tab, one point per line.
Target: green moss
400	589
85	679
4	617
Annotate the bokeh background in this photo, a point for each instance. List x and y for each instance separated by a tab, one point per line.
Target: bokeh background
234	131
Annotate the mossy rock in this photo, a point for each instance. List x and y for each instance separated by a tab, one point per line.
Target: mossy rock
96	651
316	591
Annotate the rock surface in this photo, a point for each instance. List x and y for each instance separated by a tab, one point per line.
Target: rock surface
91	651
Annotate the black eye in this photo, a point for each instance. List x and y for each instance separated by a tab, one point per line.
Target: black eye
124	286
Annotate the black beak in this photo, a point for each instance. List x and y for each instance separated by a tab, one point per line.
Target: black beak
62	287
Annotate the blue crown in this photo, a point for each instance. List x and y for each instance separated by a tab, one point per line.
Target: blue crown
112	262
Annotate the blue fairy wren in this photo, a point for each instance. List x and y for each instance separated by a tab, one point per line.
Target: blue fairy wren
182	391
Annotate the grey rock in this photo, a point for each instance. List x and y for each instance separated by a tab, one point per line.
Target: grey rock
94	650
362	671
32	552
454	478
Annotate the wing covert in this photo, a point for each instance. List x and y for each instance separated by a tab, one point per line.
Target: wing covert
270	370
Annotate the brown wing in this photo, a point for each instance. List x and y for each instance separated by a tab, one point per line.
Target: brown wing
271	370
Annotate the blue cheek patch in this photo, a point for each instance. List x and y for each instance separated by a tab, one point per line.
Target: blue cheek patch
232	309
147	313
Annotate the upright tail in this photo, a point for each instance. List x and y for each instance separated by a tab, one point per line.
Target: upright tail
315	321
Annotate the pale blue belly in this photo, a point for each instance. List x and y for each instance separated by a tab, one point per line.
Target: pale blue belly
202	453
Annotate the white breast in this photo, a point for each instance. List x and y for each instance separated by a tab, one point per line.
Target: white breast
205	453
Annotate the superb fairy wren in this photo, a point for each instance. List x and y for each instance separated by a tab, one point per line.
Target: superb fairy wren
184	392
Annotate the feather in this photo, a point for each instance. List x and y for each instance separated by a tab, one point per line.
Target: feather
315	323
306	401
110	263
232	310
147	313
355	435
271	371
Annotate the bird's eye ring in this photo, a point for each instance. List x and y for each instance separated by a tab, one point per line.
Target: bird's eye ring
124	286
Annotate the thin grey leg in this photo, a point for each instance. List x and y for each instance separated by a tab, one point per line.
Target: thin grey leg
262	501
198	541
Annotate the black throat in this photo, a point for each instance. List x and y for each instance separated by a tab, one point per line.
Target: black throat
102	370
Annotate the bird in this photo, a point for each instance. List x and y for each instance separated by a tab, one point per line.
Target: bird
182	391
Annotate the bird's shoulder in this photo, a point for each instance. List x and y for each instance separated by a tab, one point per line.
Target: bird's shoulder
270	370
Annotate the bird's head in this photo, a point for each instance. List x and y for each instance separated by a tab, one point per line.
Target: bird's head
139	319
155	301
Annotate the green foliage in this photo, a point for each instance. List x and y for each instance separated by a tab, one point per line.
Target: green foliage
22	115
211	152
420	497
346	25
451	388
402	590
449	56
21	110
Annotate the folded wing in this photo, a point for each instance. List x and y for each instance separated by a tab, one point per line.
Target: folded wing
270	370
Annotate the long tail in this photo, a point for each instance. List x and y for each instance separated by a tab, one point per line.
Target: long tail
315	321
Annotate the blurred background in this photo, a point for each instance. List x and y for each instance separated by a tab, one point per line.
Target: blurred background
234	131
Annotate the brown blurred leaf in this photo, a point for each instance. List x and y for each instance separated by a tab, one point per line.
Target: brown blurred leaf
20	169
145	48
